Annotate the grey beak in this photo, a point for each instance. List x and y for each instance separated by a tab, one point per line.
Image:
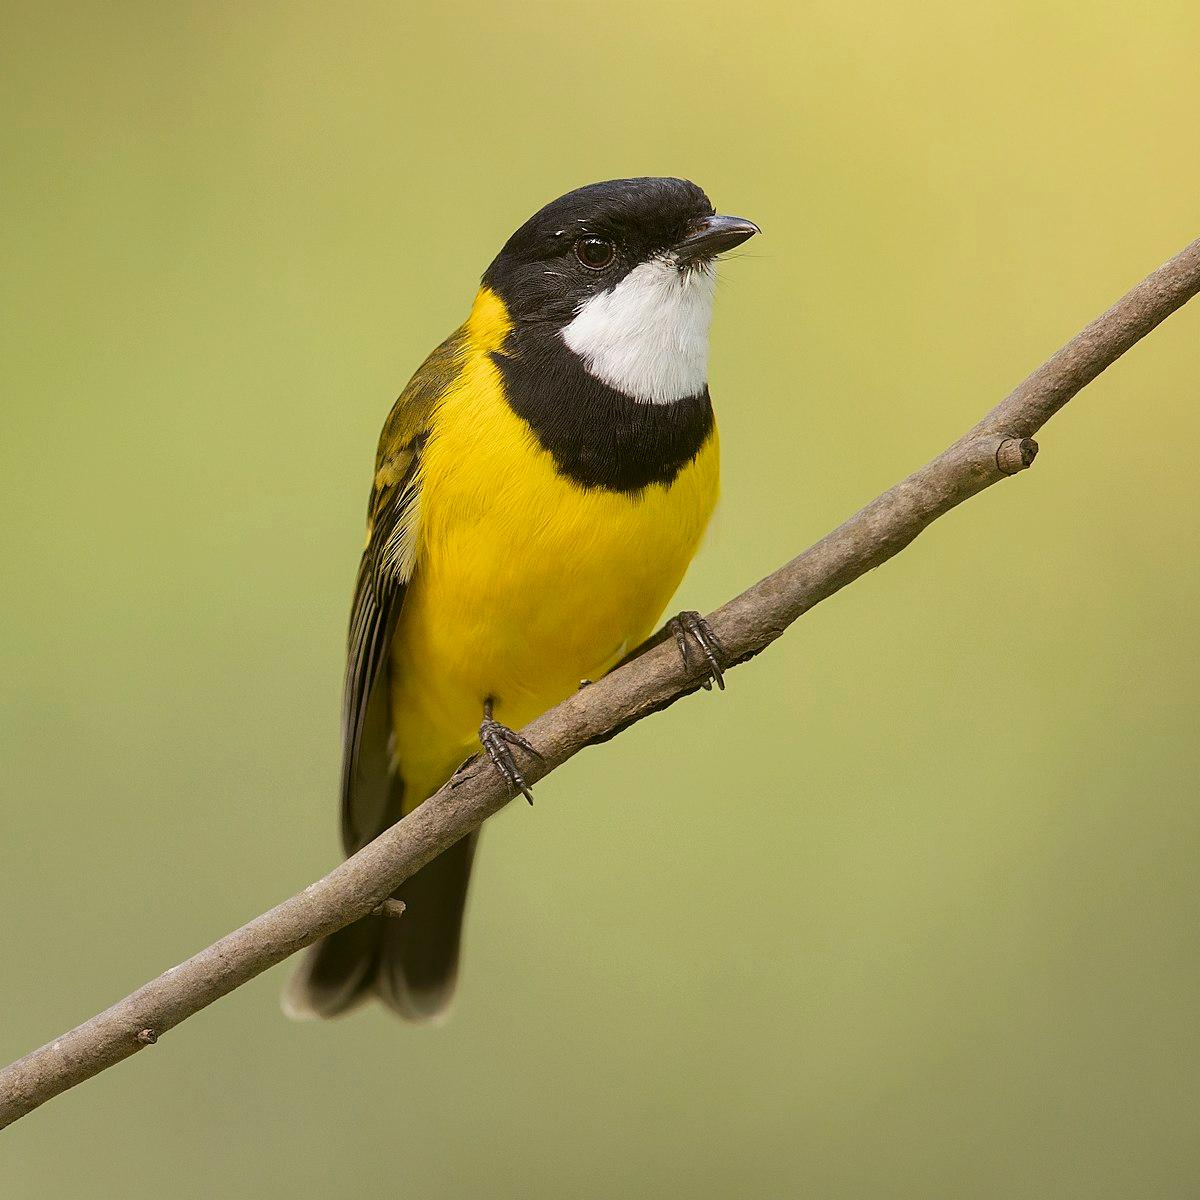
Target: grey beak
711	236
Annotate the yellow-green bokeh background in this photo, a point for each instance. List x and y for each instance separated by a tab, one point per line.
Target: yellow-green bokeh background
912	910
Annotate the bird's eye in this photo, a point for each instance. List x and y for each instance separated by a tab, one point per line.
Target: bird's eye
595	253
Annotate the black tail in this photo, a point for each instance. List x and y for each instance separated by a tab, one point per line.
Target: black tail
410	962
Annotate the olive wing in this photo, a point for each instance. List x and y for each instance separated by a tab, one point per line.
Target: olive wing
371	793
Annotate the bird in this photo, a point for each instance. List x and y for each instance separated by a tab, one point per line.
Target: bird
541	486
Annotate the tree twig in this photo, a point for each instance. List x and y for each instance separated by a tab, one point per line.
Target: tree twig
998	446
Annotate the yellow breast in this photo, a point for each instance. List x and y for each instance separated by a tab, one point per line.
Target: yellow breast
525	582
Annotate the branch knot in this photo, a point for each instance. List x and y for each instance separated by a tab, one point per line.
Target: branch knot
1015	454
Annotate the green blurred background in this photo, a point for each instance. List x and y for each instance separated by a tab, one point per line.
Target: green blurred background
910	911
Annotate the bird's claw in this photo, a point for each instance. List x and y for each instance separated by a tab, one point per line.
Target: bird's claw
497	741
691	626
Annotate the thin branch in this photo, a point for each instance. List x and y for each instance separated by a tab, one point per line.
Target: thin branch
999	446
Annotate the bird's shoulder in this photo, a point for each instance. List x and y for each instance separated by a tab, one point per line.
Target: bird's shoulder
407	425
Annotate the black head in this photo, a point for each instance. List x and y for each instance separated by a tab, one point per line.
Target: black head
587	241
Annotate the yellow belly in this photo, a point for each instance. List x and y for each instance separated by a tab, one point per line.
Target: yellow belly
525	583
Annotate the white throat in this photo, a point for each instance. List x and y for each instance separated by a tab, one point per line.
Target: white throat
648	336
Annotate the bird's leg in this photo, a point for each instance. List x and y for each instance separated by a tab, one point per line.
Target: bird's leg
686	628
691	626
497	741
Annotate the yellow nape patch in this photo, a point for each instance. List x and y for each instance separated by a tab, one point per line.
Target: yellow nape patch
489	323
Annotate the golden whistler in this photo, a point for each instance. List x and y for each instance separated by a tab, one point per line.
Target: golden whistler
541	485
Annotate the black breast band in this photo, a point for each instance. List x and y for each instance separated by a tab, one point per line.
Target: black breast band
598	436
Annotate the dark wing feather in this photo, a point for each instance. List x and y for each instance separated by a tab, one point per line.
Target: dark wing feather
370	794
367	784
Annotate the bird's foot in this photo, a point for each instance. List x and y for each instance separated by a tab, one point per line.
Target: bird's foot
497	741
691	626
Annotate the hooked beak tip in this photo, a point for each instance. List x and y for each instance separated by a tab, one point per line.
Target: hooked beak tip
714	235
